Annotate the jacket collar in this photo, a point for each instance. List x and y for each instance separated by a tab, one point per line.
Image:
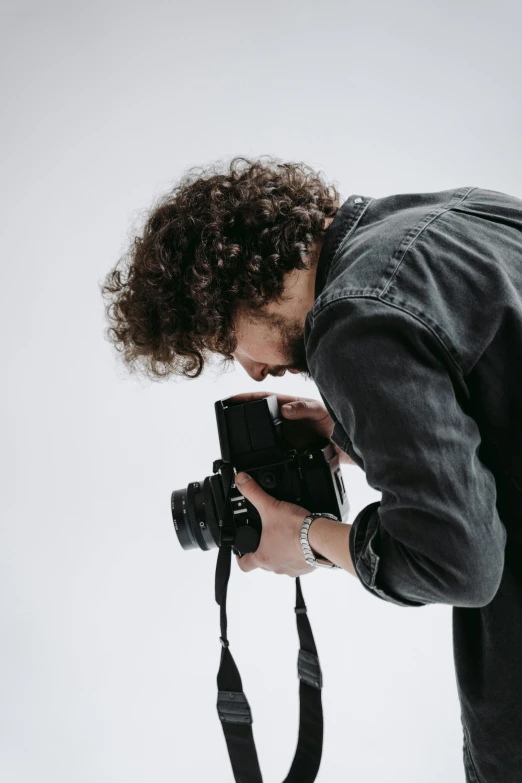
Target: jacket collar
344	222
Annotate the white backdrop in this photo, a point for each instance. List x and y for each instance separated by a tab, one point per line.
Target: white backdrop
109	642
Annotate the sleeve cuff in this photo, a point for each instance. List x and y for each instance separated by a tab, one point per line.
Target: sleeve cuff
363	545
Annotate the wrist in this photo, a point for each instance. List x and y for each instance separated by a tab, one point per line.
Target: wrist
344	458
318	530
314	559
329	539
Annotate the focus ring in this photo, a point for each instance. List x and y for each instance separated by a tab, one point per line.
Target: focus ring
194	525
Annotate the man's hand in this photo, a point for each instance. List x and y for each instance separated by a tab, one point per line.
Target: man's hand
280	548
307	416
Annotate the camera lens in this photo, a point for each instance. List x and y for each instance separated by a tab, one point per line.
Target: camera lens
194	516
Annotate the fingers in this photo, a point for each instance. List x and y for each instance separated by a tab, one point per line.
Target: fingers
249	396
306	409
259	395
303	404
253	492
246	563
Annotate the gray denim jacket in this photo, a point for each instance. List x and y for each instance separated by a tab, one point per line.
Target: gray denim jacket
415	344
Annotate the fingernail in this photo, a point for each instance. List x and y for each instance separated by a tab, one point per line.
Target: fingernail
242	477
289	408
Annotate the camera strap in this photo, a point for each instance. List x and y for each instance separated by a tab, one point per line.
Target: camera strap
234	709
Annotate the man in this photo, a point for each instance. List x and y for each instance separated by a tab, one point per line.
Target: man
406	311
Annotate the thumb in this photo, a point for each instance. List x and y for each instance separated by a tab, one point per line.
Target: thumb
251	490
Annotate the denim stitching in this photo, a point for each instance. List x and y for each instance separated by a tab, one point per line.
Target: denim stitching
362	209
349	221
427	220
398	307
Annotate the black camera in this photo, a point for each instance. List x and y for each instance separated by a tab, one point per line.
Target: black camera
253	437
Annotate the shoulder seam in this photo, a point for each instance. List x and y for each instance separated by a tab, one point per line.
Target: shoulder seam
423	226
378	298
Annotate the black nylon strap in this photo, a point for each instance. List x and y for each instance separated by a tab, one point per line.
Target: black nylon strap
238	736
234	710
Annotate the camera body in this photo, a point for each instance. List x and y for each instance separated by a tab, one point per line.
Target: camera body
252	437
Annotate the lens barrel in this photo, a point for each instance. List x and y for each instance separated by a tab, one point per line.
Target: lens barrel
194	516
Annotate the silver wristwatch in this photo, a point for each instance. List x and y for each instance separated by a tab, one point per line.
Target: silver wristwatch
320	562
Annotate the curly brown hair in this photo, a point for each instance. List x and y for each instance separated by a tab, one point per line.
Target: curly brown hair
217	244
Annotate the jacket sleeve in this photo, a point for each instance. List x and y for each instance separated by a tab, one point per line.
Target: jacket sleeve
435	536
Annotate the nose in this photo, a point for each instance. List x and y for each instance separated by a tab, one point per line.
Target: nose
258	375
257	371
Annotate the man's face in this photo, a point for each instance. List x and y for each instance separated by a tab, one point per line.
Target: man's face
271	340
270	345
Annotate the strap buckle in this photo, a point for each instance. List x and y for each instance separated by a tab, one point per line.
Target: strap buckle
233	707
309	669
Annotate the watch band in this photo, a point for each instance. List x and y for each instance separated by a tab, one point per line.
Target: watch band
310	557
